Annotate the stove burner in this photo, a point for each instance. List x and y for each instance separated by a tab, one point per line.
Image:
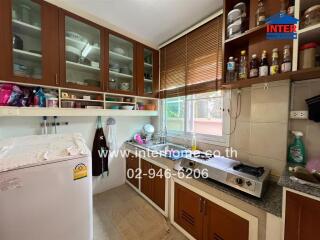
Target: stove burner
202	156
253	171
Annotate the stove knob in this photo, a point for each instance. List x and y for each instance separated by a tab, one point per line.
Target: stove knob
191	164
239	181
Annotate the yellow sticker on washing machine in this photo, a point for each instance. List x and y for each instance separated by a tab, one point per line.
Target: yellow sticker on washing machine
80	171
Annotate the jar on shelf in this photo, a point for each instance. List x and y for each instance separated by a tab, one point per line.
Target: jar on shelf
311	16
307	55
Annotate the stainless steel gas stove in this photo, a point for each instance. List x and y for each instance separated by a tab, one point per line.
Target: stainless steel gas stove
247	178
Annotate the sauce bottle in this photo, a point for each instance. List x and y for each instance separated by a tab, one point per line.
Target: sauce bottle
243	71
274	68
286	65
264	65
254	67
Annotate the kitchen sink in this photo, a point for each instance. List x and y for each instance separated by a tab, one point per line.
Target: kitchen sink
166	147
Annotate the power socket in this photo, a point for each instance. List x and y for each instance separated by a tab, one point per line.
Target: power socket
299	114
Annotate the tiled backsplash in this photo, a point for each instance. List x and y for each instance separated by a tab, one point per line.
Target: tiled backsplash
260	136
311	130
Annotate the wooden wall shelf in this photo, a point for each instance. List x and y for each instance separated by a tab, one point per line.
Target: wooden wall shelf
305	74
246	35
300	75
71	112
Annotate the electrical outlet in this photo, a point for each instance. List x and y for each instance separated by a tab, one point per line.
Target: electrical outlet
299	114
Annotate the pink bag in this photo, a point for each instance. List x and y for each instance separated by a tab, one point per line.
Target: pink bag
5	93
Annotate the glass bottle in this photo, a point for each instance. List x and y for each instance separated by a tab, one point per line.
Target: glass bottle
283	7
286	65
243	71
236	60
260	14
291	8
264	65
231	69
254	67
274	68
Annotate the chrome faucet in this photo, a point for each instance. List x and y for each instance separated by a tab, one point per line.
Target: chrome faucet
163	136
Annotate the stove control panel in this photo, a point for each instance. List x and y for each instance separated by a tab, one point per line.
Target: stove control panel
241	182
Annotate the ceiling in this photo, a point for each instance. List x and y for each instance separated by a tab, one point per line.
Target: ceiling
155	21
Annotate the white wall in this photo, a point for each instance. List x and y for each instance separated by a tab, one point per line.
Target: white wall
126	127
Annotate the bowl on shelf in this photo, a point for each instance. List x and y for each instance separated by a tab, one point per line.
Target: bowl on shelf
125	70
72	54
124	86
119	51
127	107
76	36
115	107
150	107
110	99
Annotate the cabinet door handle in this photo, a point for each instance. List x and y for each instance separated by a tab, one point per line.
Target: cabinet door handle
57	80
205	207
200	205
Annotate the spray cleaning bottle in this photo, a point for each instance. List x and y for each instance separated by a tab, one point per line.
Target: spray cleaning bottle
297	153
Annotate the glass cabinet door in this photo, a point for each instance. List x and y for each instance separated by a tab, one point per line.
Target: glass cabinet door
121	58
26	33
82	54
148	71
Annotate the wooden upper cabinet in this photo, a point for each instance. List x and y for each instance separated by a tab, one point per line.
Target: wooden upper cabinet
221	224
82	52
29	42
147	71
302	218
188	211
121	64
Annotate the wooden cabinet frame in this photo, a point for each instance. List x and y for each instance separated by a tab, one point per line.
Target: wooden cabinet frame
140	71
62	43
49	44
134	73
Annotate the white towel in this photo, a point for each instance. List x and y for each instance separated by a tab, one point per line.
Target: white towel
111	137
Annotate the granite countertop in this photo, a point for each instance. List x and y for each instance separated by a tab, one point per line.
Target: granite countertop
270	202
285	181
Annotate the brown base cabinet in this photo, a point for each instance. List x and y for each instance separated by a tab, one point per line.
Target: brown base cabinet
132	170
203	219
153	183
302	218
151	177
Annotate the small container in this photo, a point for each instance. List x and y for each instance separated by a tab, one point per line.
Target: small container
67	104
86	98
52	102
311	16
307	55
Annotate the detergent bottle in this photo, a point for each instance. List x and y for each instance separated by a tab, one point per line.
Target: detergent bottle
297	153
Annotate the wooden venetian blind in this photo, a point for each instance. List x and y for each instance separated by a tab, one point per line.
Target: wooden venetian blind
174	69
193	64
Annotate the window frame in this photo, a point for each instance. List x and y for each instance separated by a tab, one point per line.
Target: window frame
223	140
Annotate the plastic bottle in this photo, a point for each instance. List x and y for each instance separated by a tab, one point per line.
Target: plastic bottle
297	153
231	69
243	71
194	142
260	14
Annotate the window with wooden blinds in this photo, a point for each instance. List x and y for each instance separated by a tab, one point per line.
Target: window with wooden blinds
193	64
174	69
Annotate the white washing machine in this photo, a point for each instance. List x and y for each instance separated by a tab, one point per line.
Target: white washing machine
45	188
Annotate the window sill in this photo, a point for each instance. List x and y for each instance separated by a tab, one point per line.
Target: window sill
215	141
